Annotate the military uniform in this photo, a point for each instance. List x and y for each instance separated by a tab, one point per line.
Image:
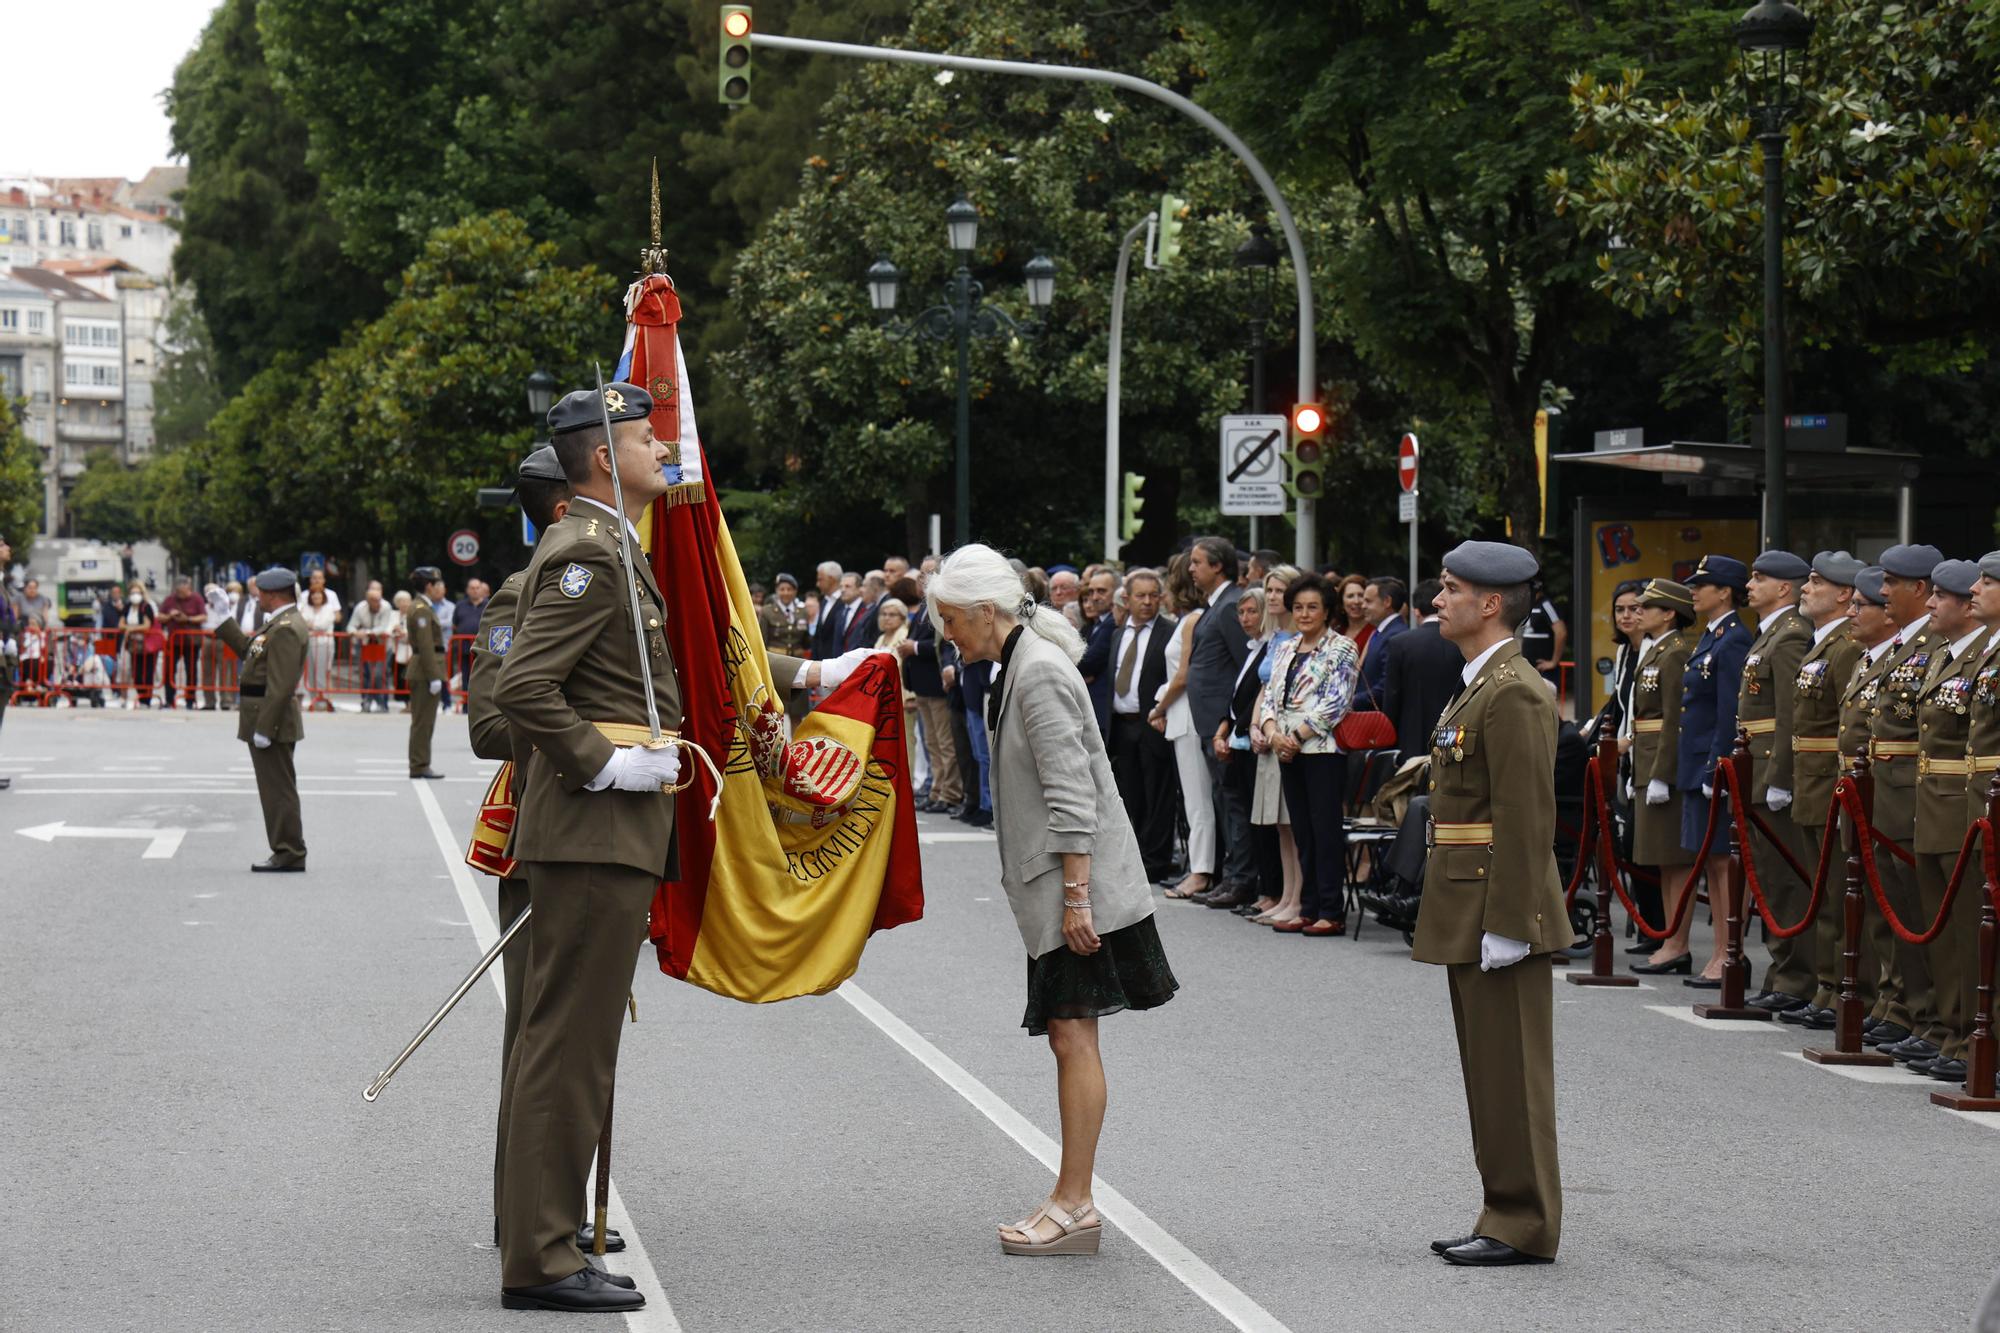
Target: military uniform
1656	727
787	631
1982	755
1764	708
427	664
10	628
268	686
1492	873
1817	689
1881	975
1710	688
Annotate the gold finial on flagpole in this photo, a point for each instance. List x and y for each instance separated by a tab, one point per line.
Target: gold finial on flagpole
653	259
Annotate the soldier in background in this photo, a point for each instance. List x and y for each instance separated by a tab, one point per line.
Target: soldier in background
1710	688
427	665
1982	756
1874	631
269	720
787	628
10	647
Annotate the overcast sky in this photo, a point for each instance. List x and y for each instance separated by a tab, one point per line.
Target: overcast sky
85	84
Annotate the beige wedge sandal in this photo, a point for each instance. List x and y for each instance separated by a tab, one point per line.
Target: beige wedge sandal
1079	1234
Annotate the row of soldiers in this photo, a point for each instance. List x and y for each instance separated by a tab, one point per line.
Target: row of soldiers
1899	662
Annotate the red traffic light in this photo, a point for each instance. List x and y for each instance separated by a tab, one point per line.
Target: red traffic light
1308	418
736	23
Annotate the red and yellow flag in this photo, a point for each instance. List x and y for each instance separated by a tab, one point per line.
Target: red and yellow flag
815	844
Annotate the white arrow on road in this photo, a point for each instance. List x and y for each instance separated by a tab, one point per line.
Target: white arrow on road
161	843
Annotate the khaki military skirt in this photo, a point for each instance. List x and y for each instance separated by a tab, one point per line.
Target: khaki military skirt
1656	830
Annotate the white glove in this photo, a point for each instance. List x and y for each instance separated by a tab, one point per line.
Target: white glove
1656	792
1497	951
841	667
1777	797
260	740
12	649
436	685
1708	789
638	769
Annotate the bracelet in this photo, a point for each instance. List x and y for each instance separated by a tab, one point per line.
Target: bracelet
1078	884
1083	906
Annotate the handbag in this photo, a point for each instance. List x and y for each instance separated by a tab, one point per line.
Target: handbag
1367	729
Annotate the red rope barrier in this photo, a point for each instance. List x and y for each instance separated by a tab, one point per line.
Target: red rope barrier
1845	795
1726	777
1596	820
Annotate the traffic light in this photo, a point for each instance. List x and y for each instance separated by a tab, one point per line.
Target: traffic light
1173	216
1128	514
733	64
1307	456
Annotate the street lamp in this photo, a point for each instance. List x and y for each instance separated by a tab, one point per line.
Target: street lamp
961	315
1773	37
541	393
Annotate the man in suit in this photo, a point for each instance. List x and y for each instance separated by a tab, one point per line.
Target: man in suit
1710	686
1383	603
832	612
1420	675
269	720
1213	662
863	627
1142	758
1492	907
1099	628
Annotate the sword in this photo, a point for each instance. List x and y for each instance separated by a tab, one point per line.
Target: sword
631	570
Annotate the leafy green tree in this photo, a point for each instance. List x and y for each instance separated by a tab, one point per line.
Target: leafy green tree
20	481
110	502
188	391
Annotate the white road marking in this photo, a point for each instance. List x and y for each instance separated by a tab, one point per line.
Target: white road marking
658	1314
1864	1073
928	838
184	791
1987	1119
161	843
1223	1296
1687	1015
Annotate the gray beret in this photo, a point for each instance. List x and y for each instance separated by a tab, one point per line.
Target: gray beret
1955	577
1989	564
1836	567
583	409
1780	565
1491	564
1868	584
1910	562
1668	595
541	465
276	580
783	577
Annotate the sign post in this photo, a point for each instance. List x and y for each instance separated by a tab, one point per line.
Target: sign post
1406	506
1253	469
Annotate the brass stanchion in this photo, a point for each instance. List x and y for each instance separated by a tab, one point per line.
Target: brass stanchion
1848	1048
1735	967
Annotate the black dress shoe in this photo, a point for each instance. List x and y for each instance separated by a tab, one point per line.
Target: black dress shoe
587	1290
1683	965
586	1235
1823	1020
1230	900
1643	946
1885	1033
430	773
1916	1048
276	867
1779	1003
5	783
1702	983
1801	1016
1947	1071
981	819
1440	1246
1921	1065
1486	1252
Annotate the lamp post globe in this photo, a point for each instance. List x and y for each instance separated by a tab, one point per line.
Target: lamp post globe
541	392
1772	36
1040	273
883	280
961	222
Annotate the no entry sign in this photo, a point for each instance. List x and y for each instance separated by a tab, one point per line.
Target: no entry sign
1406	463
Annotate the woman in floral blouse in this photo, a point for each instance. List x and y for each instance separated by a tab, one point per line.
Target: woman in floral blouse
1311	688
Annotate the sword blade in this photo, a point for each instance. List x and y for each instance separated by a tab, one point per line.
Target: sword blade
374	1090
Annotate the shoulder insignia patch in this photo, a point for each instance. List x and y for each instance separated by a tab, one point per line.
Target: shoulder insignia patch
575	580
499	639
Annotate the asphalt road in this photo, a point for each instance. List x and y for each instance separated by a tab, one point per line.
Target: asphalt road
183	1144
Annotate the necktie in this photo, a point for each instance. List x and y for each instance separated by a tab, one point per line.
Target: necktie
1123	683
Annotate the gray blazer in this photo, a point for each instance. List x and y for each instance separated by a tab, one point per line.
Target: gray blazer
1053	793
1214	660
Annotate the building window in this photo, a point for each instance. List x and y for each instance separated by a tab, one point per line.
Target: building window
37	319
66	229
10	321
96	234
89	375
42	230
39	375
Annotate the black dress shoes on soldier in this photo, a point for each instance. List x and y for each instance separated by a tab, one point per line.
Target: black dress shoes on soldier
430	773
586	1291
273	866
1440	1246
1486	1252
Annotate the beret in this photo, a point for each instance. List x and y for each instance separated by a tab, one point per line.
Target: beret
583	409
429	573
1719	571
1491	564
276	579
1910	562
541	465
1955	577
1836	567
783	577
1780	565
1668	595
1989	564
1868	583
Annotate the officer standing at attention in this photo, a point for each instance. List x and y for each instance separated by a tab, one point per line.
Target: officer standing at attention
1892	756
1709	690
268	718
1982	760
1822	677
426	671
1492	898
1880	983
10	649
1764	708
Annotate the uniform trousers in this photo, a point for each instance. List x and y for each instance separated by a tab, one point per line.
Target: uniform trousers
278	793
513	980
1908	999
582	945
1791	970
1828	942
1142	764
423	721
1506	1048
1954	954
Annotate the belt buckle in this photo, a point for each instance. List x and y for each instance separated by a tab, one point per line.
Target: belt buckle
1923	765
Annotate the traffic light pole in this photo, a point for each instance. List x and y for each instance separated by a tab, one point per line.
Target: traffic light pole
1111	460
1307	543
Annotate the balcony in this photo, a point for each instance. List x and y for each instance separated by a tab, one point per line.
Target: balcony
90	432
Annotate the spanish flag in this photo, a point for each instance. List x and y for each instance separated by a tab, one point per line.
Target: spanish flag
814	847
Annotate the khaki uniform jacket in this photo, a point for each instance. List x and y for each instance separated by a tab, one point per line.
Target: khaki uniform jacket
1892	717
1983	742
1657	694
573	660
786	632
491	738
1824	674
426	642
1493	760
1766	695
1944	722
273	659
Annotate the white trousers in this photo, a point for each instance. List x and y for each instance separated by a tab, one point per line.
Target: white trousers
1196	800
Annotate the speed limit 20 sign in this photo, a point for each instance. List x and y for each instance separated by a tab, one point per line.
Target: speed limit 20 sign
464	547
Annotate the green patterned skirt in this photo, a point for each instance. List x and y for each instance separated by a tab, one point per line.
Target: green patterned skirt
1129	972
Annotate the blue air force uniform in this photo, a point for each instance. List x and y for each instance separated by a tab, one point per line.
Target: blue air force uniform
1709	690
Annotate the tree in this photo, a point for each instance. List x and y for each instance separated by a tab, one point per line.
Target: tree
110	502
188	392
20	481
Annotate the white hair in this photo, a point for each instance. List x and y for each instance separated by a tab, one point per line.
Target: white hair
977	575
829	567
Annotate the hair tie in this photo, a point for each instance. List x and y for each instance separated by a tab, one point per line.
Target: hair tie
1027	609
